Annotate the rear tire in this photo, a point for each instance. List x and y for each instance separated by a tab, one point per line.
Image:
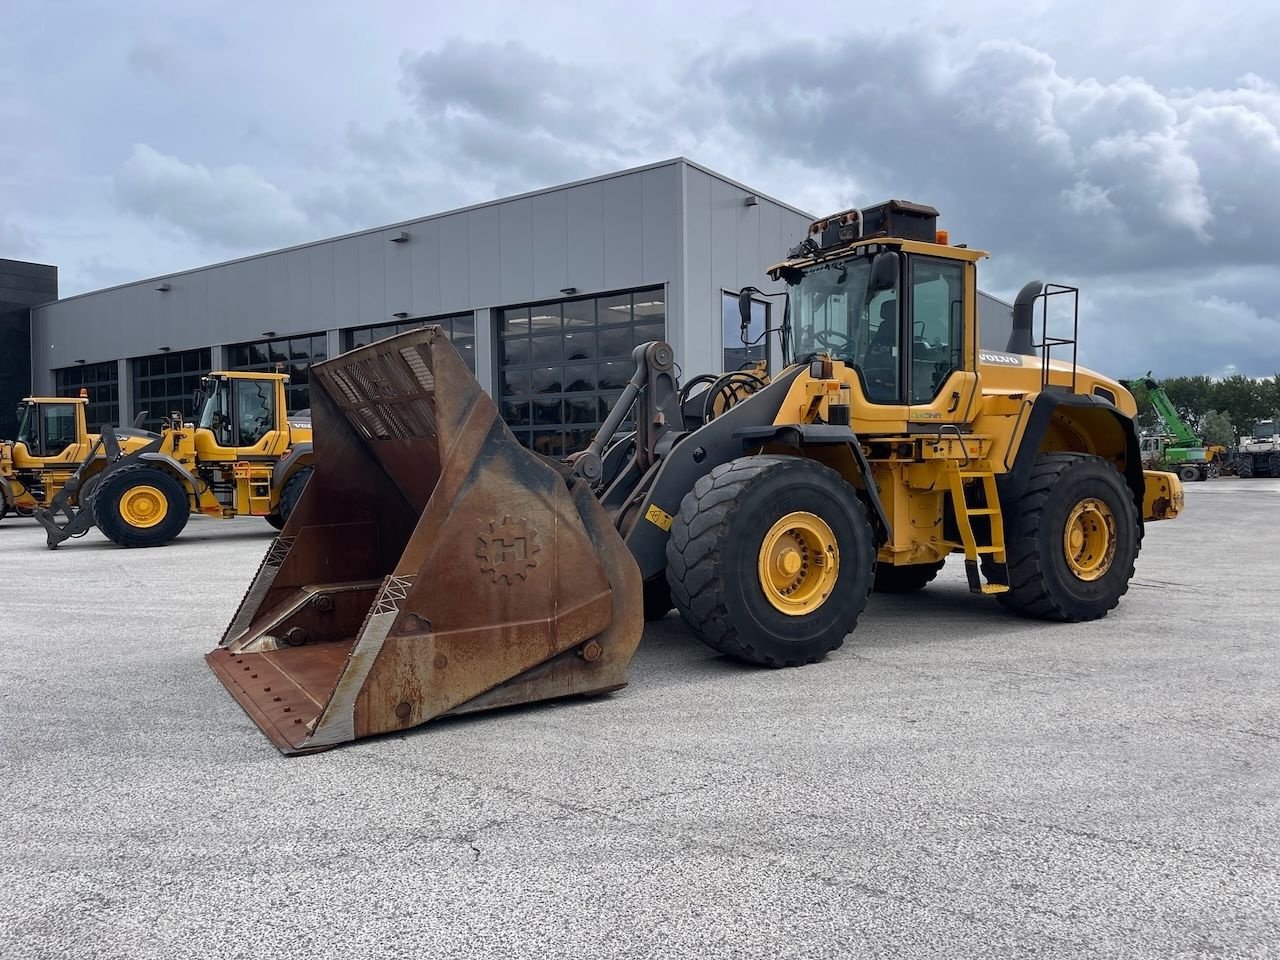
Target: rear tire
140	506
1273	464
1188	474
291	493
756	515
905	578
1046	580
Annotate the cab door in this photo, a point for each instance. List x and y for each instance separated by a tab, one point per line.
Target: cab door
256	419
939	362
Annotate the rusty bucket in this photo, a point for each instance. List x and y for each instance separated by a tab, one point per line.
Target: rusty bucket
432	565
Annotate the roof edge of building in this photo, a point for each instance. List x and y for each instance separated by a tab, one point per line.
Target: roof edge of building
672	161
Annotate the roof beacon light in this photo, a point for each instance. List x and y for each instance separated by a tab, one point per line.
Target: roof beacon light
944	238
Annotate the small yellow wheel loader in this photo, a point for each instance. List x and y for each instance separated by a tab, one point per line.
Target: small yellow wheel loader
434	566
242	457
52	446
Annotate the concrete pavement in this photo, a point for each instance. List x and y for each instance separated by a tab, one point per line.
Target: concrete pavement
953	782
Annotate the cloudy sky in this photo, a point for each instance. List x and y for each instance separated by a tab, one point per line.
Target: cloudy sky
1132	149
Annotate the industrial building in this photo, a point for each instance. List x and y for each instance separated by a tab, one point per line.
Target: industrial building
545	294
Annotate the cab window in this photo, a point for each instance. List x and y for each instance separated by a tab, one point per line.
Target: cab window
48	428
937	328
255	410
59	427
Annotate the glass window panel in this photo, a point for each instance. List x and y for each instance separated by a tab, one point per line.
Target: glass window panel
576	440
615	342
514	352
144	389
579	377
547	350
278	351
605	402
297	398
257	354
580	345
546	379
513	322
545	319
613	375
515	383
648	305
581	410
580	313
547	411
644	332
616	309
516	414
464	325
549	443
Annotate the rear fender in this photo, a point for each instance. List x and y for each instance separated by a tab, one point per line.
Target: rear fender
299	456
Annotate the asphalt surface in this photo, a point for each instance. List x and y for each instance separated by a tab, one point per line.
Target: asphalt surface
953	782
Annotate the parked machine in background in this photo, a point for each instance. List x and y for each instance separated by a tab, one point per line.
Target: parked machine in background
434	566
1259	455
243	456
52	446
1180	449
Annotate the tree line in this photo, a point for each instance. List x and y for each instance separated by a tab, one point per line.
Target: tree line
1218	410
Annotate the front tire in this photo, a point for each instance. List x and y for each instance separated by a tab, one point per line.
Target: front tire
1071	540
140	506
1188	474
1244	468
770	560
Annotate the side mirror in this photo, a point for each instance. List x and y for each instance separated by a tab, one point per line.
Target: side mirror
884	271
744	311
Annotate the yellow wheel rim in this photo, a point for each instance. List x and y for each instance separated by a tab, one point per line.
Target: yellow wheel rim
143	506
1089	540
799	563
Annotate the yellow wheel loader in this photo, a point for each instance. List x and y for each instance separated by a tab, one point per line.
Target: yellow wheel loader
52	446
243	456
434	566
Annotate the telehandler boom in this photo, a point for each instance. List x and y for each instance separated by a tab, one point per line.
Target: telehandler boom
434	566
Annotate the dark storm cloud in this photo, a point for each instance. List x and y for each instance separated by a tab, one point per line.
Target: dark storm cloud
1109	176
1161	203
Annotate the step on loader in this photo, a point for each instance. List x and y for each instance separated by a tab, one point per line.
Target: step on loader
434	566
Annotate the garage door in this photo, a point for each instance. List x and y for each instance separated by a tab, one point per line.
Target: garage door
561	364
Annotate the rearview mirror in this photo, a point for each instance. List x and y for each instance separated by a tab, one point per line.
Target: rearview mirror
744	311
884	271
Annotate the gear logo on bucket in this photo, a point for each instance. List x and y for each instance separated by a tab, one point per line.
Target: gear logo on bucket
508	551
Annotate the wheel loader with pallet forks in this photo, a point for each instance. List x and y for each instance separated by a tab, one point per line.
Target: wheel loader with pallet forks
53	445
434	566
243	456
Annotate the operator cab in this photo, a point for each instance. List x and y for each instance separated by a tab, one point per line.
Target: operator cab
46	428
239	412
895	311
